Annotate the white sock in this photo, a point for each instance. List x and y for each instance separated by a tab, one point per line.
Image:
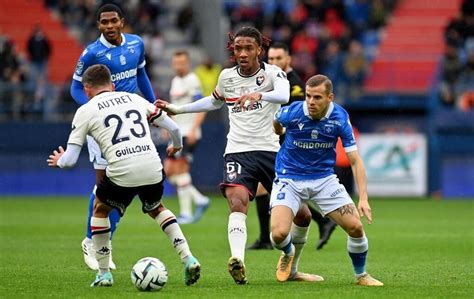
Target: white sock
299	235
185	201
237	234
286	246
101	242
198	197
167	222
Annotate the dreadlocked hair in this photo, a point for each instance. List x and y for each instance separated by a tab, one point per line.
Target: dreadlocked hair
248	31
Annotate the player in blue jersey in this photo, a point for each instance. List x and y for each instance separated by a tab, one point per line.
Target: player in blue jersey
305	172
124	55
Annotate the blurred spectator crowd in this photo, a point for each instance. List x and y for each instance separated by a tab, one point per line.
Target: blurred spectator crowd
334	37
457	64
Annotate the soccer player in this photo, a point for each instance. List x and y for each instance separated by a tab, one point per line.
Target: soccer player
279	55
305	172
186	88
118	121
124	55
252	91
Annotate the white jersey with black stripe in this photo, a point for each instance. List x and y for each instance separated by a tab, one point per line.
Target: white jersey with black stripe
250	128
118	121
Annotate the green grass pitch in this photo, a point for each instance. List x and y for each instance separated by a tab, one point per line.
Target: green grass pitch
420	248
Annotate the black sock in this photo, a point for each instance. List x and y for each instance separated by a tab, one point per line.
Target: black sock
320	220
263	205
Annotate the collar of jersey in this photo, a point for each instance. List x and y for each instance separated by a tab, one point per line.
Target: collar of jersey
109	45
330	109
262	66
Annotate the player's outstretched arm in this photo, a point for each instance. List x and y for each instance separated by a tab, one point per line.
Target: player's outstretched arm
165	122
278	128
64	159
358	170
208	103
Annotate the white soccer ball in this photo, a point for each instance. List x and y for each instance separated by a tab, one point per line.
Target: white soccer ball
149	274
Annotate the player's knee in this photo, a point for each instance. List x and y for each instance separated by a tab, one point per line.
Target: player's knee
355	229
278	235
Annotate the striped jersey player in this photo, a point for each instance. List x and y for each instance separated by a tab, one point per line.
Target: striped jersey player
252	91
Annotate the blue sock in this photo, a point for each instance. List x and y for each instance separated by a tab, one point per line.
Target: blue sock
89	216
114	218
358	261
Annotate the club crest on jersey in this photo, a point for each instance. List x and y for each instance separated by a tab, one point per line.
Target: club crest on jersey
122	60
231	176
260	80
79	67
328	129
314	134
300	125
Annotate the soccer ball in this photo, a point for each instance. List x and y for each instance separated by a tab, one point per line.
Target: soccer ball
149	274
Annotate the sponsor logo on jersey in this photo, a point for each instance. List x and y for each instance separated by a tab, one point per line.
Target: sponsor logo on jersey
132	150
314	134
79	67
229	90
124	75
300	125
312	145
260	80
254	106
109	56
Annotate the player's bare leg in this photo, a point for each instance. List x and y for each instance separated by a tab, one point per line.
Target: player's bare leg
167	221
357	244
281	221
238	199
299	235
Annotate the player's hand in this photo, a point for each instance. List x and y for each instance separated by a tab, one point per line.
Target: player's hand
171	150
169	108
364	209
53	159
248	99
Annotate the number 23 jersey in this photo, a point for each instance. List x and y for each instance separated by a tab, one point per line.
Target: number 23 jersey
118	121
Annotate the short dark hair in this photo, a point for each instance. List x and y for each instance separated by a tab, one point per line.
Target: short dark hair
96	75
317	80
109	7
279	45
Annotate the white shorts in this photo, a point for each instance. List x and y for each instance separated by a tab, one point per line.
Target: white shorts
95	155
327	193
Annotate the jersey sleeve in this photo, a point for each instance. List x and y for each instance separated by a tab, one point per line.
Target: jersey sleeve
141	59
282	116
218	93
80	127
85	60
347	137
